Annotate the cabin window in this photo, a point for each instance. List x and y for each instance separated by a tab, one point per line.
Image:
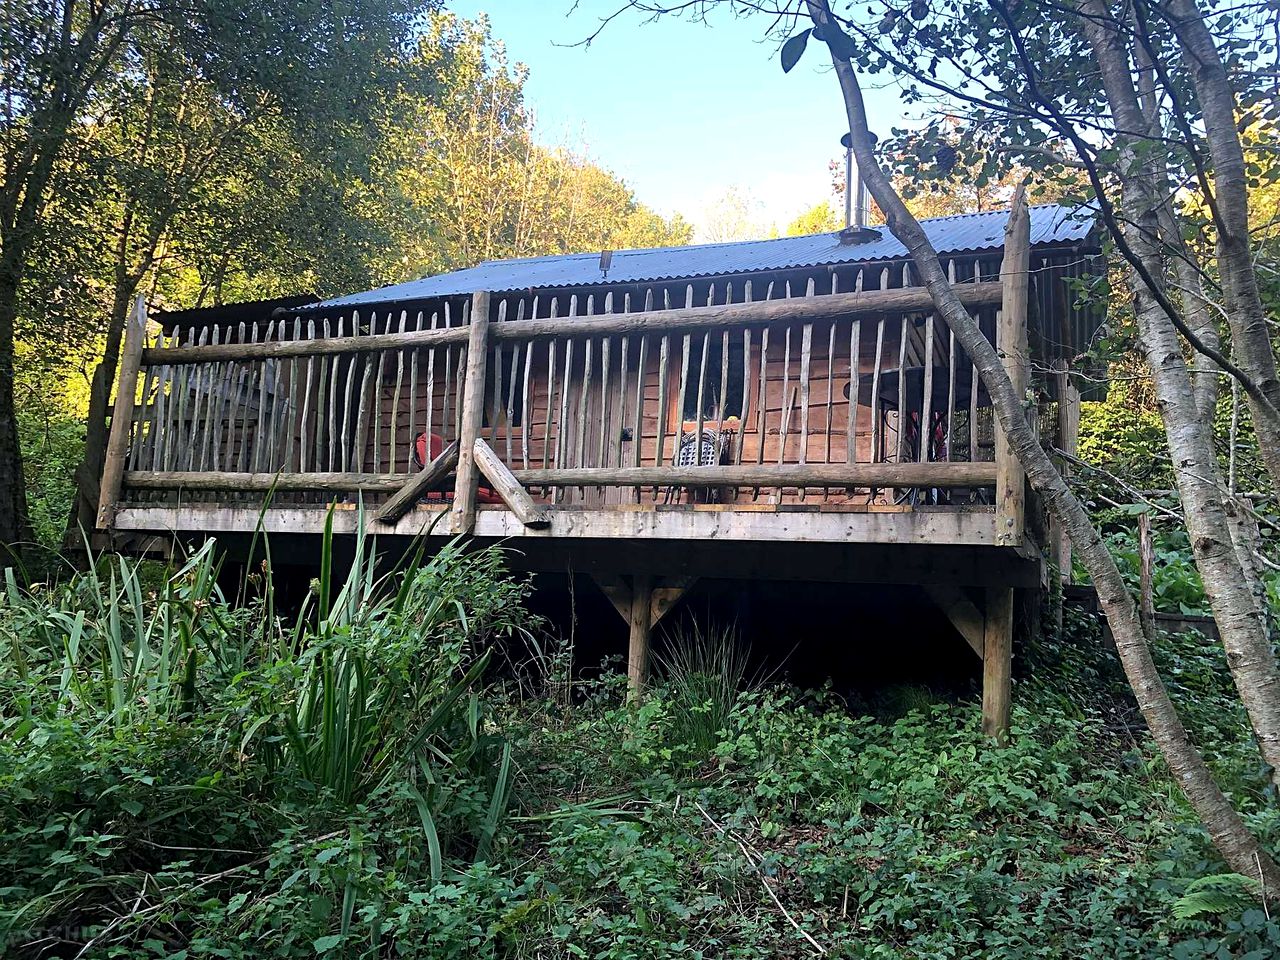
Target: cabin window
716	372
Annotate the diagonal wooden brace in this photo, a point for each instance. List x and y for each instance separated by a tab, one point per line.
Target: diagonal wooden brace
432	475
506	486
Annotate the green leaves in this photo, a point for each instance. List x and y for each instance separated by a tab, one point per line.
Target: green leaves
793	49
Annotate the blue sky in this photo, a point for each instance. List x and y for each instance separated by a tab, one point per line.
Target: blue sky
681	110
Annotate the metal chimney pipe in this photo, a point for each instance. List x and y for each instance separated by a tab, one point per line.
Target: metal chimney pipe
855	191
848	185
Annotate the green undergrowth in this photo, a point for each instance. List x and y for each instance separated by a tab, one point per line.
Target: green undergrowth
388	774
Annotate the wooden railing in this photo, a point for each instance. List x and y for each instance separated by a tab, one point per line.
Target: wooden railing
862	396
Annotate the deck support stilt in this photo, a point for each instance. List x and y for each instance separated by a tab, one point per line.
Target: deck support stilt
997	663
640	624
641	603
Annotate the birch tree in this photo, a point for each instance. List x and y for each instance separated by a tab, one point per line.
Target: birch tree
1058	89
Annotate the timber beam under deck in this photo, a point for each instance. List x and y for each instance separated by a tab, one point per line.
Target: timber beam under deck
938	545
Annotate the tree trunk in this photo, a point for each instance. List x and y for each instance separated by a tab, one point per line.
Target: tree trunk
15	528
1250	338
1237	845
1197	474
84	509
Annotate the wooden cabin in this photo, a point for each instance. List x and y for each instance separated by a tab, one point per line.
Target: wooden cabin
778	409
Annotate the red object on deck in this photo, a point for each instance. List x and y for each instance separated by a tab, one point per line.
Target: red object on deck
426	449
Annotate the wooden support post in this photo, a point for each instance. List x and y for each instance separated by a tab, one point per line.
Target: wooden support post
642	605
432	475
640	625
463	516
1011	342
963	614
515	497
997	662
122	414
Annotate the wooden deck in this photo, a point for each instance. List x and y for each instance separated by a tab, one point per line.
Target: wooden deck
835	436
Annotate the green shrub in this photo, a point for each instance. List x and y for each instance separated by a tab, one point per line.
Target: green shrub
254	786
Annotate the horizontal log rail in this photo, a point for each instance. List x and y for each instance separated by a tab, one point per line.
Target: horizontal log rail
264	482
860	475
697	319
682	319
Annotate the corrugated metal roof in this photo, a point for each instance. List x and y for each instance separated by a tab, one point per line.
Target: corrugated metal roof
958	234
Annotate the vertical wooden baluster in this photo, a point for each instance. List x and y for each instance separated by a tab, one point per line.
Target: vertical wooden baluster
641	375
262	432
904	422
876	414
279	407
951	370
926	433
663	400
495	404
831	379
762	406
412	439
702	389
177	407
292	436
744	408
723	400
199	430
563	437
430	411
446	422
144	413
851	414
526	406
606	408
233	379
238	445
511	392
461	371
327	421
685	359
304	415
265	451
624	356
393	435
702	384
951	391
181	400
143	454
165	393
551	391
324	399
161	415
562	427
211	400
784	424
806	359
584	399
368	404
220	448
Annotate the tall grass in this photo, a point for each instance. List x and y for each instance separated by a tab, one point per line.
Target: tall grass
366	696
704	671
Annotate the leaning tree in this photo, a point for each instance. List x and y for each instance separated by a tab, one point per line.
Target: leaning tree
1141	103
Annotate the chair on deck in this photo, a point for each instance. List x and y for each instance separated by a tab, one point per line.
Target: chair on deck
427	448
